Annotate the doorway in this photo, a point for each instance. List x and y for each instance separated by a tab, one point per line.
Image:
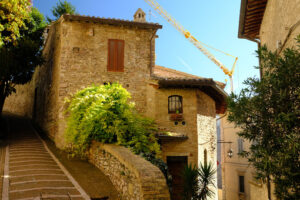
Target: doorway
176	166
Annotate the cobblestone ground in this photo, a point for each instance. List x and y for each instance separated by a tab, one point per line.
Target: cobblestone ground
32	172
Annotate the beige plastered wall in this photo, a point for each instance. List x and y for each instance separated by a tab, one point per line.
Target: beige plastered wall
281	22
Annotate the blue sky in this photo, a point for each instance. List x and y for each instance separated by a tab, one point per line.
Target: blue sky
214	22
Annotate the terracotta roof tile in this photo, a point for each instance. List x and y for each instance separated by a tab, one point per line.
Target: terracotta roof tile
111	21
170	78
167	73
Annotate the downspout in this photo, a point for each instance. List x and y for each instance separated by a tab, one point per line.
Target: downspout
151	48
258	47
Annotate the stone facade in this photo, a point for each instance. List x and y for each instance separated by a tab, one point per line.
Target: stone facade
38	98
76	53
84	59
133	176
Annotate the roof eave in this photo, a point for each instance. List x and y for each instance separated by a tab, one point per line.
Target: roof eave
206	85
242	19
114	22
243	25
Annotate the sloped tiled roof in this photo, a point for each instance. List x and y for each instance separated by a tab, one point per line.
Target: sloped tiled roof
167	73
111	21
170	78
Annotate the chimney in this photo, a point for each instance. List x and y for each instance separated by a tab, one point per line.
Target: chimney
139	16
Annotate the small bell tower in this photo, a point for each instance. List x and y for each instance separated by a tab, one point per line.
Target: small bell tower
139	16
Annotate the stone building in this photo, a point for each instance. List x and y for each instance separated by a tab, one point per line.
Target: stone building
81	51
276	24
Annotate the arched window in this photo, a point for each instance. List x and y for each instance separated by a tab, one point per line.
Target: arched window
175	104
205	157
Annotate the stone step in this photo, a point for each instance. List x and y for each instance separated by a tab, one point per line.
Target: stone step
33	161
37	177
43	184
36	192
32	166
36	171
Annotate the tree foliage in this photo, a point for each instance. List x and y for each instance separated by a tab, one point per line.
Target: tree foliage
19	58
62	7
13	17
268	112
198	182
102	113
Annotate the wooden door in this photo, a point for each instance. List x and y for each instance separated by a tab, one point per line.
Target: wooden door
176	166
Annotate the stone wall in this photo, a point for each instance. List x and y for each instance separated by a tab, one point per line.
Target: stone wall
278	21
47	81
21	102
83	62
133	176
195	104
41	90
160	114
207	141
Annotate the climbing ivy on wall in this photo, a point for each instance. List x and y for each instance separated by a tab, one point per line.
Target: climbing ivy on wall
104	113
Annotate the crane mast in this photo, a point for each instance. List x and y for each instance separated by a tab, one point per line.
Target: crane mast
193	40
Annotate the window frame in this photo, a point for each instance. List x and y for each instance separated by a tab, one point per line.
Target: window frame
240	145
114	67
241	184
181	102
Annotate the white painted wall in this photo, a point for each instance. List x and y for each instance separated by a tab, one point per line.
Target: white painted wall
207	139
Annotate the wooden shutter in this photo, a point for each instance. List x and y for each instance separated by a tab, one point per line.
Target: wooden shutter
115	61
120	56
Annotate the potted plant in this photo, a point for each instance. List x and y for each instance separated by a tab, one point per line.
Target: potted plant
177	116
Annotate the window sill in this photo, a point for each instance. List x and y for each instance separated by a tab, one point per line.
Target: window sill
176	117
115	71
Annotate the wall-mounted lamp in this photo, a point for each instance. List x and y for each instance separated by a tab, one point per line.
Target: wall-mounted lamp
230	153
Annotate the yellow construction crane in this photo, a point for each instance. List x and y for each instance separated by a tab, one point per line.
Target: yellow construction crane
192	39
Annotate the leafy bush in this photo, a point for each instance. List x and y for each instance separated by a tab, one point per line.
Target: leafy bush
103	113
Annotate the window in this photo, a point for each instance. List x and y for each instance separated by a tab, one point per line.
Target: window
240	145
115	61
175	104
241	184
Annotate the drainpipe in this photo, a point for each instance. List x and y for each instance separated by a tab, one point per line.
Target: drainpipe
258	46
151	48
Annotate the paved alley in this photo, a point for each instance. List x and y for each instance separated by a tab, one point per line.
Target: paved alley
32	172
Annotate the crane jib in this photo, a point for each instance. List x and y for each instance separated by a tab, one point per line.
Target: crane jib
191	38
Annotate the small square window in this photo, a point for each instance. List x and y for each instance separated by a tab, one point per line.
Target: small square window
175	104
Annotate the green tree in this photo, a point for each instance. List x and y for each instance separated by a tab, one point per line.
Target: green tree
62	7
13	16
268	113
19	58
198	182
